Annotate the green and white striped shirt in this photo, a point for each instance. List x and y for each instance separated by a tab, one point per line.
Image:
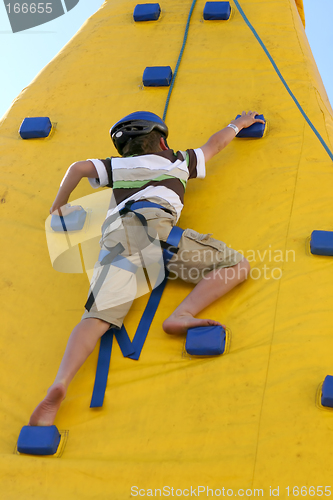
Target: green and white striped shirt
162	175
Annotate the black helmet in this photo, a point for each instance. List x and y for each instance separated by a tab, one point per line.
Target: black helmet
134	125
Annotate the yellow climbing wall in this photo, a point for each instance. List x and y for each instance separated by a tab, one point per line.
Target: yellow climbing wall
244	421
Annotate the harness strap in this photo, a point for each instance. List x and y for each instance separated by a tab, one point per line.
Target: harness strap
106	263
131	206
152	304
124	342
133	349
111	255
145	322
172	243
102	370
136	205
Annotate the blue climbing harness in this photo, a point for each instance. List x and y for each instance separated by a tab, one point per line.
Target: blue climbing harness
129	349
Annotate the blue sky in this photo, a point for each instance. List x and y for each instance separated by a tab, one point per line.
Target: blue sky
318	20
25	53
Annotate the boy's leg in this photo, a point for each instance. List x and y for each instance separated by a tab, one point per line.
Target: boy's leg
81	344
114	298
213	286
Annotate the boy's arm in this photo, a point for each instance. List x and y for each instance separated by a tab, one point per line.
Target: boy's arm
221	139
72	177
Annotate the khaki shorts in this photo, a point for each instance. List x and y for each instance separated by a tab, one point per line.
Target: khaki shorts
198	254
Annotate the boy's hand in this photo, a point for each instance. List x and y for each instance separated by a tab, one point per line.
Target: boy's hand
221	139
64	210
247	119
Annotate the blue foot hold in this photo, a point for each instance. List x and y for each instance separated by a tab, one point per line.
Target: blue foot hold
327	392
322	243
157	76
217	11
71	222
38	440
147	12
35	128
255	131
205	340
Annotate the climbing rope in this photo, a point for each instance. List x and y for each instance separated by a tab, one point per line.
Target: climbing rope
179	59
329	152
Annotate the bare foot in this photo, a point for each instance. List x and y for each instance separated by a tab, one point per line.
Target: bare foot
177	324
45	413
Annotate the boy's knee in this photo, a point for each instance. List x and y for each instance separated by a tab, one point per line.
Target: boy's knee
96	325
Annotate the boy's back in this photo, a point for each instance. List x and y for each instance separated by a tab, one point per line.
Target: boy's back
163	174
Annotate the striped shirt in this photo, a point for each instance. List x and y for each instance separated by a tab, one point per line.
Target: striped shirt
162	175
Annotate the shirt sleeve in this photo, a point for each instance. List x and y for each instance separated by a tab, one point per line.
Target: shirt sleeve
104	171
196	163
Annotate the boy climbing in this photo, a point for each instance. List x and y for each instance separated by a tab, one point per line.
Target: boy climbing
151	172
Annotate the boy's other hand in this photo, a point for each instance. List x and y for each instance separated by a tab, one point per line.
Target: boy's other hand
64	210
247	119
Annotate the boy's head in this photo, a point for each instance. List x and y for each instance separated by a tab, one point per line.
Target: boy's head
139	133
